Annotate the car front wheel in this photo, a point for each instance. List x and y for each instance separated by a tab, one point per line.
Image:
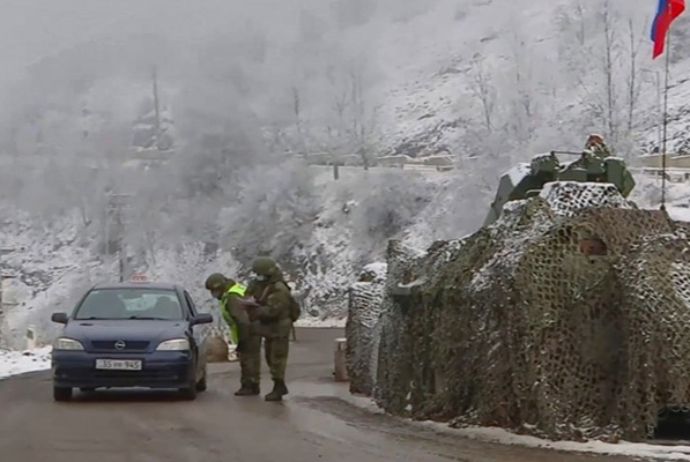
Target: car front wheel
62	394
202	385
189	393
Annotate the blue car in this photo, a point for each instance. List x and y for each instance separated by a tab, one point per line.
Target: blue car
131	335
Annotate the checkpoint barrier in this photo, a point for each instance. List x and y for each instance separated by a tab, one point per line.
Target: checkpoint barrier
31	338
340	360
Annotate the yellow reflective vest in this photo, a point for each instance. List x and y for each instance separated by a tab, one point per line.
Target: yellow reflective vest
238	289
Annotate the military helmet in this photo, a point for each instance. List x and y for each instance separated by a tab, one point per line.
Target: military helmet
595	139
216	281
264	266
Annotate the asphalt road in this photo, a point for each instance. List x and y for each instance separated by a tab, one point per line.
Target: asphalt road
315	422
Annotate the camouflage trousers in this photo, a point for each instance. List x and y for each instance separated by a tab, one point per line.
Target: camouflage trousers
276	352
250	361
277	349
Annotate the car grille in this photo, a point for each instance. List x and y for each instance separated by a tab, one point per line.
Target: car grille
134	345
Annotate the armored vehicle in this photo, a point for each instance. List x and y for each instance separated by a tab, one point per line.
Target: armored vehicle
526	180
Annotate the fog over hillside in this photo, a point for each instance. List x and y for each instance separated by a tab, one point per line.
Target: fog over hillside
244	87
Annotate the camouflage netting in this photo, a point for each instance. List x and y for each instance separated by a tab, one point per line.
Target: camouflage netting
364	308
566	319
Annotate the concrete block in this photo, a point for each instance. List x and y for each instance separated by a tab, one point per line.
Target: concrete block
340	361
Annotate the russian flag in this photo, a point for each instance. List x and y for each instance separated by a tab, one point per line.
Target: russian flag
666	13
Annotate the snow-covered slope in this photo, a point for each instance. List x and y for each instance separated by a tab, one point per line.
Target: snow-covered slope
463	76
355	215
444	75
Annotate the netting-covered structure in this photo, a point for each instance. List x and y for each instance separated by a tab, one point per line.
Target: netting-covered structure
364	308
565	319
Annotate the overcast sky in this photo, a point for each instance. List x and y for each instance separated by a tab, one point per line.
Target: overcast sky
34	29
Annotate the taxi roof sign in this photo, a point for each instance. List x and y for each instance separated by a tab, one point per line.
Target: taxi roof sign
139	278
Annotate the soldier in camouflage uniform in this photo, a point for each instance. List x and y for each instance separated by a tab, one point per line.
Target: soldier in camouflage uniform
248	343
272	319
597	145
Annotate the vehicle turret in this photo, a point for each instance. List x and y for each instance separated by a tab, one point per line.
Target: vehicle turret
526	180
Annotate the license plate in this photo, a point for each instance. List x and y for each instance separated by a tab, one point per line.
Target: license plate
118	364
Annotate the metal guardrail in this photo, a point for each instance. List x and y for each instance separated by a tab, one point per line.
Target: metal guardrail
412	167
674	175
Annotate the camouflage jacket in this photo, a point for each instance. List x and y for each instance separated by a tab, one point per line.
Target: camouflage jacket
272	318
601	150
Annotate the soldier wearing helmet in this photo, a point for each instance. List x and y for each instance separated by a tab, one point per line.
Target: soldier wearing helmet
272	319
597	146
231	294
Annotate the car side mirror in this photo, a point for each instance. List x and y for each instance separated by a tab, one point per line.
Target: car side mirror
60	318
202	318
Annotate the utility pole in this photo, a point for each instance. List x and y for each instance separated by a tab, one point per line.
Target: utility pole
3	276
117	205
156	105
121	265
660	109
664	139
3	250
655	78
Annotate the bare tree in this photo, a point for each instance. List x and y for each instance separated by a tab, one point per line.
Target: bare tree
483	88
603	64
573	21
634	82
363	115
352	126
610	39
524	99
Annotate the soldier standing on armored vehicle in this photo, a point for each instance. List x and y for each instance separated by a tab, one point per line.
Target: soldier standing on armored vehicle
595	164
597	145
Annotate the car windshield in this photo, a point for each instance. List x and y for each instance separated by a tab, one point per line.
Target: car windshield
143	303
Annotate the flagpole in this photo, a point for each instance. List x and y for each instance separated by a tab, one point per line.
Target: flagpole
665	121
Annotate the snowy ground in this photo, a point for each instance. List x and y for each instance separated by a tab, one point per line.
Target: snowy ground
21	362
647	195
501	436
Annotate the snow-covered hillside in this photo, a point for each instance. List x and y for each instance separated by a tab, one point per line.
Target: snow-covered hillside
52	264
415	77
248	84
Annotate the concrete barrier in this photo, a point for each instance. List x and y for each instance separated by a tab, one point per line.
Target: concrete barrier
31	341
339	357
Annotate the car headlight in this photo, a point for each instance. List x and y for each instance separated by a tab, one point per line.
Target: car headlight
64	343
178	344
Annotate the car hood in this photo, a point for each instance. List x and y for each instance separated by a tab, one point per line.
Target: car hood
149	330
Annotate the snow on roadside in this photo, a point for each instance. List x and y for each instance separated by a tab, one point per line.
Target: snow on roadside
321	323
624	448
501	436
679	213
21	362
647	195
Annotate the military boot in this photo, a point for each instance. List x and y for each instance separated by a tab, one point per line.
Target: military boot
251	389
279	390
